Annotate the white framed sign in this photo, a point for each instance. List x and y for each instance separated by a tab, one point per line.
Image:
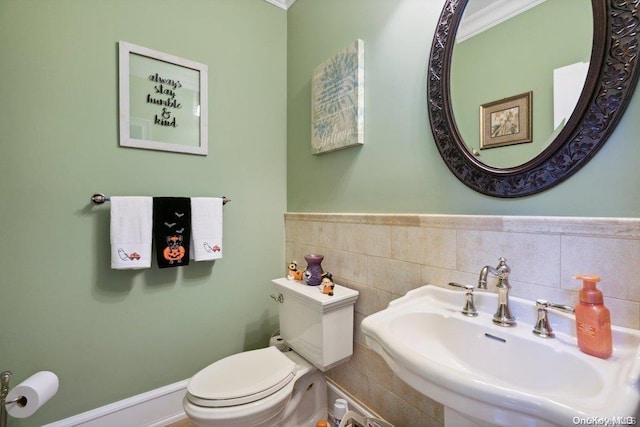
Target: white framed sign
163	101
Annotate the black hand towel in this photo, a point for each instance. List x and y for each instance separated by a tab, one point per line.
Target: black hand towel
172	230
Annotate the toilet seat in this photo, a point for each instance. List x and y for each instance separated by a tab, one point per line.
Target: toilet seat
241	378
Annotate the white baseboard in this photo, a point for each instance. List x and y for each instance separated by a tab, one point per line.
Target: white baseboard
163	406
155	408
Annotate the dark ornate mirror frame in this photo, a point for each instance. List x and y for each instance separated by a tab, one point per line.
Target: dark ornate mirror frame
611	79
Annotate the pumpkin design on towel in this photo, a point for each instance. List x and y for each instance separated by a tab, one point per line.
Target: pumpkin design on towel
174	252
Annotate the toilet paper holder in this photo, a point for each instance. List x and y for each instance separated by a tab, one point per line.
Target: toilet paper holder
5	378
24	399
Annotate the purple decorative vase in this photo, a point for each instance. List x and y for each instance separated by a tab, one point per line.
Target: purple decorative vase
313	273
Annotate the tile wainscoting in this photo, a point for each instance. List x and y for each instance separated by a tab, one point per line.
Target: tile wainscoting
385	255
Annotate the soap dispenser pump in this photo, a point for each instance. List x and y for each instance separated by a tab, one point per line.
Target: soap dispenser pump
593	320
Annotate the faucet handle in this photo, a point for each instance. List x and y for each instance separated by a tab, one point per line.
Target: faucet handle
542	327
469	308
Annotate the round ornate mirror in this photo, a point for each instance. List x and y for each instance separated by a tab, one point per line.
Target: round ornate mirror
611	76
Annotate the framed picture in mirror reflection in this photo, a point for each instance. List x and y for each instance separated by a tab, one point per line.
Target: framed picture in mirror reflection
506	121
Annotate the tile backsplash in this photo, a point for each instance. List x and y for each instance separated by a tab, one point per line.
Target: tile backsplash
385	255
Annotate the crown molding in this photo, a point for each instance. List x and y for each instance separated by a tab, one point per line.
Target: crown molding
283	4
490	16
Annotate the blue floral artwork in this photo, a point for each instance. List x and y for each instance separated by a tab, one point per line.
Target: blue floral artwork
337	101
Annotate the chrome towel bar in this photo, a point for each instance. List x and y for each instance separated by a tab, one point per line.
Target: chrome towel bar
99	198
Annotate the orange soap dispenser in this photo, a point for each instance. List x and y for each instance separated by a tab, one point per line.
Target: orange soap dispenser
593	320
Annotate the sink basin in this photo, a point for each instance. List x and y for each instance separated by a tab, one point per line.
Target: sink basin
503	376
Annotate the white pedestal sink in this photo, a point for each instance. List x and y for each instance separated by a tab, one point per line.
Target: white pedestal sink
504	376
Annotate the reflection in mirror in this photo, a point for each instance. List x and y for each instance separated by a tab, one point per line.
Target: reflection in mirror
543	49
611	80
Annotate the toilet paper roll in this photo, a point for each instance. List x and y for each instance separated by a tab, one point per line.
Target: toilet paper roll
340	409
32	393
279	343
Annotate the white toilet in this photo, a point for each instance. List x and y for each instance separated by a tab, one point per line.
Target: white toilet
267	387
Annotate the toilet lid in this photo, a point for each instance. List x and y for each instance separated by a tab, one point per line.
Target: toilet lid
241	378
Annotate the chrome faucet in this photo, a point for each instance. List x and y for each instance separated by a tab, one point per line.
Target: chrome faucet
503	316
469	308
543	327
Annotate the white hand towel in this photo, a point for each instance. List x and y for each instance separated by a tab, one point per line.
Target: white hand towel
206	228
131	231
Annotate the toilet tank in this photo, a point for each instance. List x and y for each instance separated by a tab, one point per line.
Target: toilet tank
317	326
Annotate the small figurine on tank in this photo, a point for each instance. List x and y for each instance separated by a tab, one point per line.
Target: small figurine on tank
293	273
327	285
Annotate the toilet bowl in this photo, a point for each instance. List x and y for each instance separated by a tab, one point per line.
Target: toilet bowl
267	387
289	391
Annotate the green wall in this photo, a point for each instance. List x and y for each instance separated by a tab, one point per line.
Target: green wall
398	169
113	334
